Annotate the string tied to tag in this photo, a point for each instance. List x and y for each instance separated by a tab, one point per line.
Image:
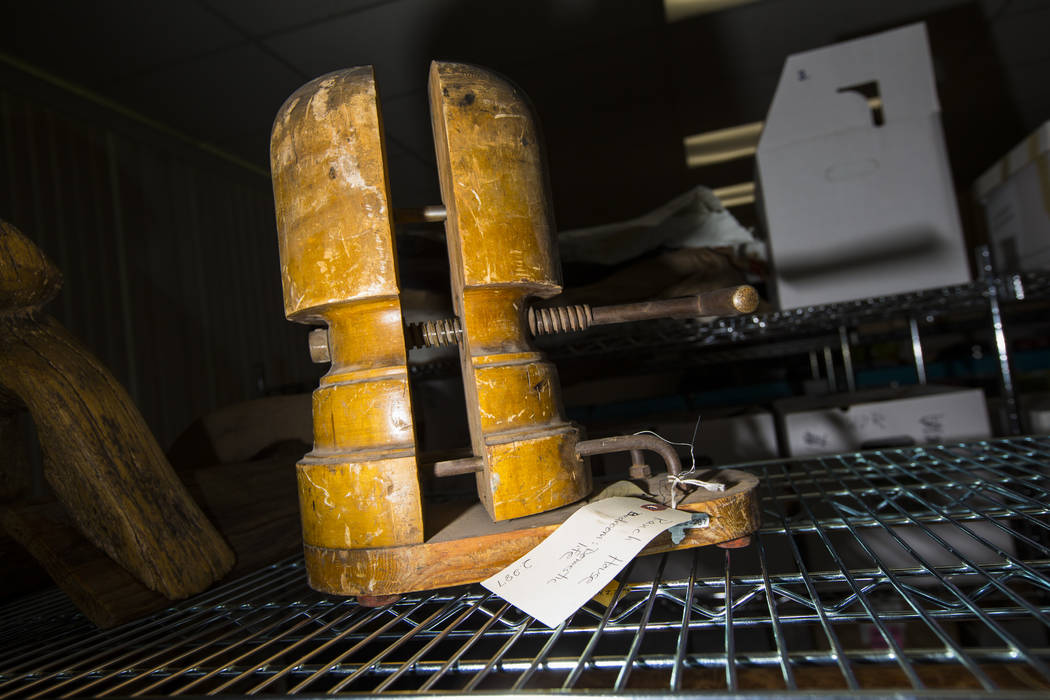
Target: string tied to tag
681	480
677	481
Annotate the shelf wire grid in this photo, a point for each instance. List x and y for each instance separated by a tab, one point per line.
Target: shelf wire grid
917	571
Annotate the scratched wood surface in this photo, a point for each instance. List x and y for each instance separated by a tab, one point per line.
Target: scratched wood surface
502	252
359	486
99	457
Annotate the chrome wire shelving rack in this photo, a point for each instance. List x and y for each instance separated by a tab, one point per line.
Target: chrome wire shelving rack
904	572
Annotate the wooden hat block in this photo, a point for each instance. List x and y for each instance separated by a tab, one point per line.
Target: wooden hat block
502	251
363	526
359	487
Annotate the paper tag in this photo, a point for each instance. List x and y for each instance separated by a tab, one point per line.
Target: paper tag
583	555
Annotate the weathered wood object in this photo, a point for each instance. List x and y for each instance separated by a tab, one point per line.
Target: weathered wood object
364	530
99	456
101	589
253	505
359	487
502	251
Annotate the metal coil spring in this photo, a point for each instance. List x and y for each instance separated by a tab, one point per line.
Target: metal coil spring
560	319
433	334
447	331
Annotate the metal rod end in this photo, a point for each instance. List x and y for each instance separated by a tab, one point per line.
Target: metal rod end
745	299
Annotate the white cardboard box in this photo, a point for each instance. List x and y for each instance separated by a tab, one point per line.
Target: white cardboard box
721	440
910	415
748	437
1015	193
855	208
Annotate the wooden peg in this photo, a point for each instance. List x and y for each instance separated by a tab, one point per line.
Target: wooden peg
499	229
359	487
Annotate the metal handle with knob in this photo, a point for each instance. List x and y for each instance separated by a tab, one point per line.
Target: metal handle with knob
742	299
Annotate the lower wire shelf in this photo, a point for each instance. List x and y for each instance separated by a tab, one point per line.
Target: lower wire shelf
913	571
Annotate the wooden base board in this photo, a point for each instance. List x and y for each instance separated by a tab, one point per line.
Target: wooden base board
472	548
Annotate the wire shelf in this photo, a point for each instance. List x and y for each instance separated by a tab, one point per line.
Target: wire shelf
918	571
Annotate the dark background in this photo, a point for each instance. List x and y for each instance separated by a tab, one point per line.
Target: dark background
134	139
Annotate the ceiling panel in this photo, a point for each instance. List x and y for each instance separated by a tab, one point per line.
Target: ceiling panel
615	87
230	99
265	17
393	37
99	42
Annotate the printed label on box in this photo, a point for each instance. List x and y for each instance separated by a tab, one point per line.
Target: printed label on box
578	559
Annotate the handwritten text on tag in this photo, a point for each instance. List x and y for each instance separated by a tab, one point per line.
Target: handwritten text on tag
579	558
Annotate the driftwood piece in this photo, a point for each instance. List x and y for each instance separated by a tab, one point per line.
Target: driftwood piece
253	504
99	456
106	593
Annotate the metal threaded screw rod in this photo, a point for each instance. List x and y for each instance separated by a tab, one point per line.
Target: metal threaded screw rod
447	331
433	334
742	299
561	319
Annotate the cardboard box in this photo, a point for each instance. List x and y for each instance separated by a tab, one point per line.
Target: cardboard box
855	186
748	437
1015	193
720	441
915	415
